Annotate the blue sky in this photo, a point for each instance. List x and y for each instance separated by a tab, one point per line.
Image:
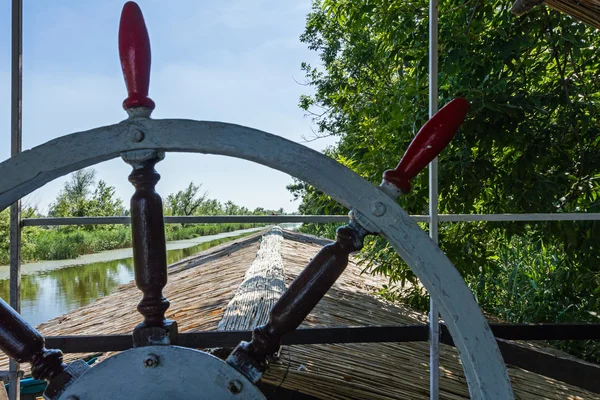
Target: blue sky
233	60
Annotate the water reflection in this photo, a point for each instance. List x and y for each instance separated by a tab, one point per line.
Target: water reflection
48	294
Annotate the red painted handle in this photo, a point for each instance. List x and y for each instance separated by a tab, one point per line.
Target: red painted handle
433	137
134	51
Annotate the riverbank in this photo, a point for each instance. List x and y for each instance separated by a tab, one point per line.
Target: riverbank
70	242
116	254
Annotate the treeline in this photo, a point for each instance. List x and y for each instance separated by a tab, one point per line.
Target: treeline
84	195
530	143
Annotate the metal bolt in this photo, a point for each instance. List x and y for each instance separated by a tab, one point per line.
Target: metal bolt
235	386
378	208
151	361
138	136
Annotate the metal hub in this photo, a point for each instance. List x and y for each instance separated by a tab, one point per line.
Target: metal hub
162	372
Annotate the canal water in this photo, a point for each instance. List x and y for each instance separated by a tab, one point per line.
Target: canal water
53	288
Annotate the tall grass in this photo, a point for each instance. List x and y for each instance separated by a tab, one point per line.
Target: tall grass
532	282
57	244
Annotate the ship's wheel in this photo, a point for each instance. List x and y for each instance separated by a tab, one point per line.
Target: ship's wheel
156	368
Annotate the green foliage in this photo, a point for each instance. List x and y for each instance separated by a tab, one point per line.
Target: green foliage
524	271
27	236
60	244
230	208
185	202
190	202
5	236
530	143
82	197
536	282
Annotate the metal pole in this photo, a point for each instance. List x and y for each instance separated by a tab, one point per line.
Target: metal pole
434	328
313	219
16	146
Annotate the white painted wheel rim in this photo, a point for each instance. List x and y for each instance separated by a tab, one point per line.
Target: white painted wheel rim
483	364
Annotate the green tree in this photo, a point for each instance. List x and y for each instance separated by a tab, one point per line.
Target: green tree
79	198
27	237
230	208
5	236
260	211
233	209
104	202
530	143
211	207
187	201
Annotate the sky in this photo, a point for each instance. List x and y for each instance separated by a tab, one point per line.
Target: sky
234	61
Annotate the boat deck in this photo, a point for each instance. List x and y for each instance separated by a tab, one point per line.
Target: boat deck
214	290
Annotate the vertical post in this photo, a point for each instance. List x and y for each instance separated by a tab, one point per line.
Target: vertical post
16	144
149	250
434	328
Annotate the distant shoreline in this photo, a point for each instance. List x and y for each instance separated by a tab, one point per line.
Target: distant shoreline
116	254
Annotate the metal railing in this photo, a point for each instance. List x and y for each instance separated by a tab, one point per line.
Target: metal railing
313	219
565	369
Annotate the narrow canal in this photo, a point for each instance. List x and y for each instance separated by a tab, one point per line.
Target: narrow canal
53	288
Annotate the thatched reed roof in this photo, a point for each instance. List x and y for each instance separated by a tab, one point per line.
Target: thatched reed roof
587	11
203	287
